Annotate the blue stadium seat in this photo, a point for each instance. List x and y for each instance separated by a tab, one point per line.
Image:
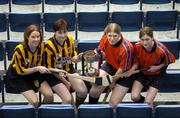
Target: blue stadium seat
167	111
18	111
161	20
156	1
124	1
26	2
133	111
4	2
129	21
94	5
85	45
170	82
92	22
56	111
10	46
1	51
19	21
58	2
50	18
2	22
95	111
91	2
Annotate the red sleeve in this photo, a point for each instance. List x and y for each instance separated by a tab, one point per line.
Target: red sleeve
136	56
102	42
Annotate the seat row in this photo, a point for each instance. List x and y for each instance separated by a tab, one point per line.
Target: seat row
89	111
91	21
108	4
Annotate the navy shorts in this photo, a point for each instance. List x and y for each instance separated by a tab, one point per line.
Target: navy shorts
149	80
126	82
26	82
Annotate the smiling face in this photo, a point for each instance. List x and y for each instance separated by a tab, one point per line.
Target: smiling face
61	35
34	39
113	37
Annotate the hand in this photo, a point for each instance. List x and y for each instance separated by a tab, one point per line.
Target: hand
154	68
80	56
62	75
42	69
112	85
128	73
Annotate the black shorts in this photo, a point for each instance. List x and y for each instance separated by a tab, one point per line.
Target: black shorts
26	82
52	80
149	80
126	82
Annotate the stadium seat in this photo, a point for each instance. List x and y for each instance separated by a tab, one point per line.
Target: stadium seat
133	111
129	21
162	21
59	2
50	18
92	5
4	6
176	4
26	2
167	111
56	111
3	2
2	22
17	111
170	83
157	5
92	22
3	26
123	5
95	111
52	5
26	5
19	21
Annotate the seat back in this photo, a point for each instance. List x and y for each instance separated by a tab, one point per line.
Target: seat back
167	111
56	111
95	111
18	111
133	111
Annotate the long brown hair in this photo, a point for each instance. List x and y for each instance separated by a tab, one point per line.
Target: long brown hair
28	32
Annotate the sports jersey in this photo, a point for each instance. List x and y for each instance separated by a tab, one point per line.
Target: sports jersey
120	55
23	59
60	56
158	55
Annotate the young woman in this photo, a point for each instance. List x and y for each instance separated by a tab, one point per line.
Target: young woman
26	72
151	54
61	53
118	53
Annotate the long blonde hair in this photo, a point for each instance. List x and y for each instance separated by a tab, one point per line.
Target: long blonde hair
112	27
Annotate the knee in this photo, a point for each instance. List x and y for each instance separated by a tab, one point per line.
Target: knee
135	97
67	100
149	101
34	102
113	103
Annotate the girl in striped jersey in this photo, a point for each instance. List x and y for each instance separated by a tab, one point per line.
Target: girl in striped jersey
26	72
149	53
60	53
118	53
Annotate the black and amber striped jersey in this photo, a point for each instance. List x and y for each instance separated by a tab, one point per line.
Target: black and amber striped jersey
60	56
23	59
